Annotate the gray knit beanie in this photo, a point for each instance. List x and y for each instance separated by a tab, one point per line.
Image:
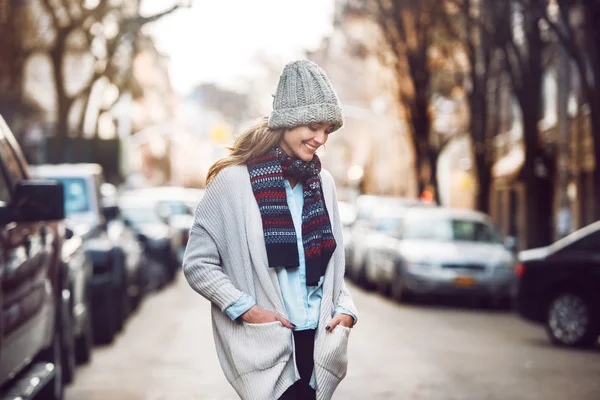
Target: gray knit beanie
304	96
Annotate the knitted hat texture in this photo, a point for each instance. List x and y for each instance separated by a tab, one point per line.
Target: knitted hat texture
304	96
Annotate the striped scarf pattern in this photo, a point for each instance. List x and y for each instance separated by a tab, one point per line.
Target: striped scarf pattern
266	177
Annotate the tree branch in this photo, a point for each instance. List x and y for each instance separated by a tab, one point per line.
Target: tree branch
50	10
513	78
146	20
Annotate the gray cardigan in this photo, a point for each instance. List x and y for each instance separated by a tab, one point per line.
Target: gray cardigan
226	257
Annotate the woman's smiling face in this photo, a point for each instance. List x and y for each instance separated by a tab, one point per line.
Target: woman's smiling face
303	141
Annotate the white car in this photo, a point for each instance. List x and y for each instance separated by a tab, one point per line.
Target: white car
440	251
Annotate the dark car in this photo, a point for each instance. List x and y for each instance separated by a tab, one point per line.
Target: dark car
115	282
559	287
36	334
80	269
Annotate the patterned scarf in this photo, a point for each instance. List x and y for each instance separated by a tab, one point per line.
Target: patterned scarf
266	176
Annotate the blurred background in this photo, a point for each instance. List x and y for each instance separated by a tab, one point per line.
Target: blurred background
467	168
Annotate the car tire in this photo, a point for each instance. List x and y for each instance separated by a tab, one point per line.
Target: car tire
362	279
56	388
123	307
383	288
570	320
105	321
348	260
84	343
398	291
68	341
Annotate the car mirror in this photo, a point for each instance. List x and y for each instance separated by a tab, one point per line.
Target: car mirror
35	200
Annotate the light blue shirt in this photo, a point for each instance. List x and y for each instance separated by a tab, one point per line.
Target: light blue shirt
302	303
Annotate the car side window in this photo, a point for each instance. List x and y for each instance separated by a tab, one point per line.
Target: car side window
588	244
388	226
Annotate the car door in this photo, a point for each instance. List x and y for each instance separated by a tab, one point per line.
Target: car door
585	256
27	304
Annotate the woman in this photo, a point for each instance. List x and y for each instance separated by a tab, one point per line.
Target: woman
266	250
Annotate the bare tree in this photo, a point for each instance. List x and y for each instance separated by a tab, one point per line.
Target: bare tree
411	29
579	37
474	29
14	52
518	33
104	27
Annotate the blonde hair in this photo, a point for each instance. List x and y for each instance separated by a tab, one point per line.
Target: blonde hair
256	141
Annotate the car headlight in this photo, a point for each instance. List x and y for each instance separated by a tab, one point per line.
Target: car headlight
505	266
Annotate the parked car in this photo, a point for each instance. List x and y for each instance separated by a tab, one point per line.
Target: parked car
175	206
559	287
126	238
356	248
81	270
347	217
442	251
159	239
114	279
36	334
119	230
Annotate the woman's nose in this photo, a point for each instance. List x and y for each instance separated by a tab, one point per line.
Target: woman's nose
321	137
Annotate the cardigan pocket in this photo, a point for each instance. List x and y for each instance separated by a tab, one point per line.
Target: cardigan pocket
261	346
332	354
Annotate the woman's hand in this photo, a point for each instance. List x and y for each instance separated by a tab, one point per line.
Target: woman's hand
340	319
258	315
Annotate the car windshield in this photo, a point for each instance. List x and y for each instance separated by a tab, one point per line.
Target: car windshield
388	225
76	195
449	229
175	207
140	215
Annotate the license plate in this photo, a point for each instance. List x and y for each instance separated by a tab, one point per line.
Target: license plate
464	281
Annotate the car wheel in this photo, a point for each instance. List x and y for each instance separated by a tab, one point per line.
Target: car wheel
105	321
362	278
55	390
570	321
397	290
123	308
381	284
68	339
348	261
84	343
383	287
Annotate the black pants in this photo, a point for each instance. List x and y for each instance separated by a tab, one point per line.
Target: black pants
305	346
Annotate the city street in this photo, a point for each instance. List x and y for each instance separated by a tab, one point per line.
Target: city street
420	352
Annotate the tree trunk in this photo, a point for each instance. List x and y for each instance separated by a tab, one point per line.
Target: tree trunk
478	127
539	187
484	181
63	103
421	127
592	47
433	179
595	127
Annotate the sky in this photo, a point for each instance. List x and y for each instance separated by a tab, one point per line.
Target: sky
223	41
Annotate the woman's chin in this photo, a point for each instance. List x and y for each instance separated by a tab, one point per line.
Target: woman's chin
306	157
